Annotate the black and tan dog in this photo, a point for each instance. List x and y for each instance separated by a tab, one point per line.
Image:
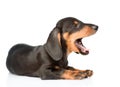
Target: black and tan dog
50	60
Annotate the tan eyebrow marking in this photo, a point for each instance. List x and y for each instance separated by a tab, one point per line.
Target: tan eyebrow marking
76	22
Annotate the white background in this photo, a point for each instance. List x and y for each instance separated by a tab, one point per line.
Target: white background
30	22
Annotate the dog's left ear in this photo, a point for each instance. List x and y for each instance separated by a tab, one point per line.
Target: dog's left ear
53	45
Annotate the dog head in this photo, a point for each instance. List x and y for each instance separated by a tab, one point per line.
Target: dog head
67	37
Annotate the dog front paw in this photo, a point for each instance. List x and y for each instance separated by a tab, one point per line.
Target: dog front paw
89	73
84	74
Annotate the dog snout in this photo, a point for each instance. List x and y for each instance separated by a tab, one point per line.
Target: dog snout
95	27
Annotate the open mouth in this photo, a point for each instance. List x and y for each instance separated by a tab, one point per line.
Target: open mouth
82	49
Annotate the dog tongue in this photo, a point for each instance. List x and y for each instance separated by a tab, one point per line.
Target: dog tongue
82	48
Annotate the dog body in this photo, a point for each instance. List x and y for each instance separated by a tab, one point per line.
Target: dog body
49	61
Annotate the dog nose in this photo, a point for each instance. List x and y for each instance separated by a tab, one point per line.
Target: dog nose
95	27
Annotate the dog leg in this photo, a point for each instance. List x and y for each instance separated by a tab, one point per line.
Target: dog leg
76	74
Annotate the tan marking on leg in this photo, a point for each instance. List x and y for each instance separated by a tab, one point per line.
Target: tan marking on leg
68	74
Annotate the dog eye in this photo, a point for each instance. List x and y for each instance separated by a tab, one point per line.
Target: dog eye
77	25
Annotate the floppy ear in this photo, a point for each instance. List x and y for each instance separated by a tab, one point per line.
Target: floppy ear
53	46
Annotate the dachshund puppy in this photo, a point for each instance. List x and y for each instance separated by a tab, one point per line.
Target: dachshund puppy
49	61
